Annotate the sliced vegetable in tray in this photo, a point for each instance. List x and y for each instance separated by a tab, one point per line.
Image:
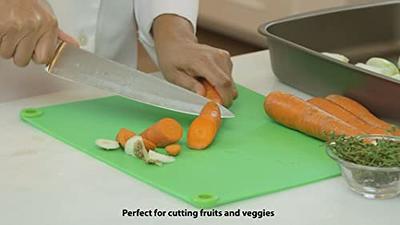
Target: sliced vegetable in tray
374	64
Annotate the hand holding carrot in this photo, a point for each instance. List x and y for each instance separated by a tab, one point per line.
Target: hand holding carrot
182	59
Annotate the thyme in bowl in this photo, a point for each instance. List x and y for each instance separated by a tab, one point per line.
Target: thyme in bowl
382	152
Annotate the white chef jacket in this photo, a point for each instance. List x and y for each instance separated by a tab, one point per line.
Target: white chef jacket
108	28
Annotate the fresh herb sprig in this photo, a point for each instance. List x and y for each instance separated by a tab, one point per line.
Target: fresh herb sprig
378	153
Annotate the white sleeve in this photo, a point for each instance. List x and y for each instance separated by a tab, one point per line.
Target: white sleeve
148	10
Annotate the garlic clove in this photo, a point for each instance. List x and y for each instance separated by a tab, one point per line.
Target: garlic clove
135	147
107	144
158	157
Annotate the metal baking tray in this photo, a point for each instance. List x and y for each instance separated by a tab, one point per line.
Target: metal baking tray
358	32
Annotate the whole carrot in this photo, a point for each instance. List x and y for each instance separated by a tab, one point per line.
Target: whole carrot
165	132
346	116
298	114
360	111
204	128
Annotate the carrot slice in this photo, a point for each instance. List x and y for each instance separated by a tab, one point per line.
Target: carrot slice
360	111
211	109
298	114
204	128
149	145
346	116
165	132
211	92
125	134
202	132
173	149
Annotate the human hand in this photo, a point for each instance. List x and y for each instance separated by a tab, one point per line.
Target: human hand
29	31
182	59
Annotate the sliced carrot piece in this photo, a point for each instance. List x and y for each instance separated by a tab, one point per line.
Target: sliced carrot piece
149	145
165	132
204	128
124	135
201	132
211	109
173	149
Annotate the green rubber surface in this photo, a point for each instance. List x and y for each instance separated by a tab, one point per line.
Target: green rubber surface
251	156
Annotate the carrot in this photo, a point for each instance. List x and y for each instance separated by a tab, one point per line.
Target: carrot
202	132
360	111
149	145
173	149
204	128
125	134
346	116
212	110
298	114
211	92
165	132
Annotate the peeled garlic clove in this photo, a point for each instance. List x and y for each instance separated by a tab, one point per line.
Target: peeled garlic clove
371	68
389	68
158	157
107	144
337	56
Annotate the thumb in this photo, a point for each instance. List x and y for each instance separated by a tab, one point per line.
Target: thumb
188	83
67	38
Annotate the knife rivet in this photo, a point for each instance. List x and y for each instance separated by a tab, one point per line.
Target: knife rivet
31	113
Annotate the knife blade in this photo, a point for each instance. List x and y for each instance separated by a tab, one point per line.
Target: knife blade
77	65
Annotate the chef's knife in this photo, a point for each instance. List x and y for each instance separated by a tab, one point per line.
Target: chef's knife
80	66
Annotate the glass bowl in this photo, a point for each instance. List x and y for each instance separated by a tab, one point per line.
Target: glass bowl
370	182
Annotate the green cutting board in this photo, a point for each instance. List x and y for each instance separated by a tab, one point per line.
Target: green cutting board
251	156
